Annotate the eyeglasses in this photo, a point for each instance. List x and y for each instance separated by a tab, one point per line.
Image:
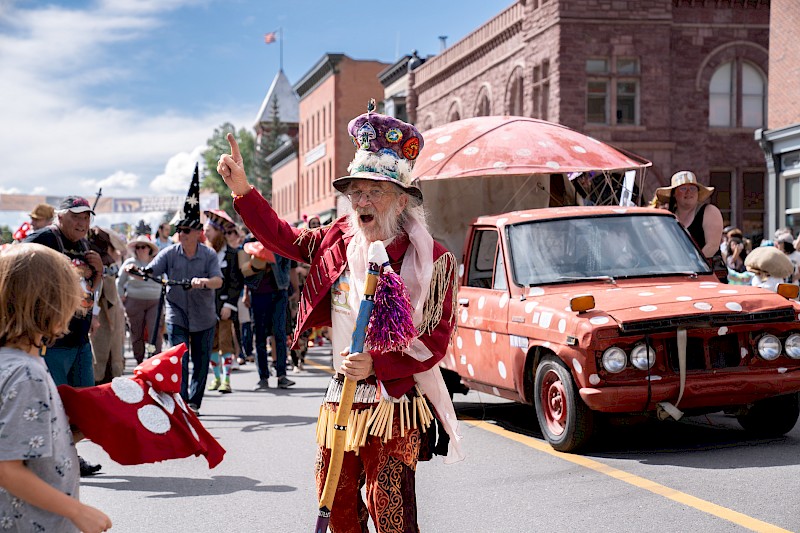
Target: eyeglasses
231	232
372	195
141	247
184	230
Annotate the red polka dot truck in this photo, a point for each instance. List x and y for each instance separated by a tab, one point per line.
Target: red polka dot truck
588	312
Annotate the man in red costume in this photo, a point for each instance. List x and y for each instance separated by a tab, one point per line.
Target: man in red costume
387	206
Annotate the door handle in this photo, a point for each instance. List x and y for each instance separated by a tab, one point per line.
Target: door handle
464	302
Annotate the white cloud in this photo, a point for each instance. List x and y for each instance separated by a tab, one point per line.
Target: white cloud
178	172
61	139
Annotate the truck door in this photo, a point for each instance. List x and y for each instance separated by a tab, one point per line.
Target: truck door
482	346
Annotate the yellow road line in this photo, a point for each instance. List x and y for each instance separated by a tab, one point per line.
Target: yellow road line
646	484
326	368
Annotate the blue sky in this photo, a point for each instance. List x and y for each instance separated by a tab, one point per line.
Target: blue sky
122	94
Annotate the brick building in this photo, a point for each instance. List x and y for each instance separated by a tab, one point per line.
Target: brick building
680	82
781	142
334	91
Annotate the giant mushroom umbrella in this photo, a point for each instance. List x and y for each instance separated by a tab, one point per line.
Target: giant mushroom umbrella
491	165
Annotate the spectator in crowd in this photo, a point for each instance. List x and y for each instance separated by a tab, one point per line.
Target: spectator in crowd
42	216
218	223
191	313
39	296
162	239
686	198
140	297
108	339
785	243
69	359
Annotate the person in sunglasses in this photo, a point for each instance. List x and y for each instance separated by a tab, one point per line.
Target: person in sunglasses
191	313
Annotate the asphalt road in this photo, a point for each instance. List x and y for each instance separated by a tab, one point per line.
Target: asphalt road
702	474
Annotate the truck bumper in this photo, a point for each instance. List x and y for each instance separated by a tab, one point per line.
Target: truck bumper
701	391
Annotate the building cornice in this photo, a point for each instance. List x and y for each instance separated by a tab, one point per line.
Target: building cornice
394	72
323	69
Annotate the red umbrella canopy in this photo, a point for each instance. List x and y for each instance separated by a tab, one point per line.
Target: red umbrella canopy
507	146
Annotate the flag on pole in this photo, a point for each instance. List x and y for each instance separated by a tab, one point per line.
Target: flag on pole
270	37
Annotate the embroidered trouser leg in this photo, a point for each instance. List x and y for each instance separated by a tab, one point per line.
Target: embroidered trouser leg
386	470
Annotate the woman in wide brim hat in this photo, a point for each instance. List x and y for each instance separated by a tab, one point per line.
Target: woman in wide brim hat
703	221
140	297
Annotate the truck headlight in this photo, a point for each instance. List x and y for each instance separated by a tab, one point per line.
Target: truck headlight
769	347
615	360
792	346
644	357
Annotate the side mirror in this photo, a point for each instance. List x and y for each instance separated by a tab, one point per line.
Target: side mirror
788	290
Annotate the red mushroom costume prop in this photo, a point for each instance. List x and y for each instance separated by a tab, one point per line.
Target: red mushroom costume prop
142	419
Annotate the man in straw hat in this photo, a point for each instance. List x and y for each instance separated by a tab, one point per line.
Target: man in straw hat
387	206
685	197
192	313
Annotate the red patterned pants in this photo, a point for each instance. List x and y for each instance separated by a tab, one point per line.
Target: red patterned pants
386	470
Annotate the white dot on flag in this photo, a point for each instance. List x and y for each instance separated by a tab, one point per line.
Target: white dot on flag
174	378
159	377
174	359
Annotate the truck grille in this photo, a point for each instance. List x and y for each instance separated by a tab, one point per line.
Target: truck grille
723	352
725	319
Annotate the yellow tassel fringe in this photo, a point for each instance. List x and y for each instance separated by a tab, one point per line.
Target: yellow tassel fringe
377	421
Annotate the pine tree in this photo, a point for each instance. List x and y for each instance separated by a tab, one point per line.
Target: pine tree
265	145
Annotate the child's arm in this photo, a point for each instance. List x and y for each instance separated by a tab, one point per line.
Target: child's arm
18	480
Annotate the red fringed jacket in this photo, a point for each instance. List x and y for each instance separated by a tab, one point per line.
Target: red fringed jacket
325	249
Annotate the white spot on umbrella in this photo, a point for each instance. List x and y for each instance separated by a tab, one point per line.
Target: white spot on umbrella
153	419
500	164
734	306
155	362
579	149
438	156
470	370
553	165
577	366
459	342
477	337
523	152
501	367
127	390
174	378
599	320
443	139
174	359
594	379
159	377
472	150
703	306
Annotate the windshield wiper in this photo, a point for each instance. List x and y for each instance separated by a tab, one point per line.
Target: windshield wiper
583	278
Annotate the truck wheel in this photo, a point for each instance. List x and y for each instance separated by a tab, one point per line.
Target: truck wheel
772	417
566	422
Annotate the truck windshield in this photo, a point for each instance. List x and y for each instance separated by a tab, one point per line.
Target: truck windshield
570	249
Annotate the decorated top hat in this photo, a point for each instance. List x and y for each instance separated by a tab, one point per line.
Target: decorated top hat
386	150
190	216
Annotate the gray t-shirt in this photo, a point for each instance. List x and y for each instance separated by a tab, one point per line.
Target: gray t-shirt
34	429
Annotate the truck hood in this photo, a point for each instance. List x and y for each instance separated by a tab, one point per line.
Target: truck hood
651	305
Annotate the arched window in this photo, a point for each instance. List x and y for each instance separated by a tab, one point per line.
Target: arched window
737	96
453	114
515	93
483	107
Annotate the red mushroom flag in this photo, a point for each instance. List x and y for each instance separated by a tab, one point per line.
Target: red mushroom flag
142	419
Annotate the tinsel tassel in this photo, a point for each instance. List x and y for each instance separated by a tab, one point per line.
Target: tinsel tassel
391	326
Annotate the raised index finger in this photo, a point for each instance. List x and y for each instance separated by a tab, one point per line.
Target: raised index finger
235	154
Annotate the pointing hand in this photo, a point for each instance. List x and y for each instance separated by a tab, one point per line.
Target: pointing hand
231	168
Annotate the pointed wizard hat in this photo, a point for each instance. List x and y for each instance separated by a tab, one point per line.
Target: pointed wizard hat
190	216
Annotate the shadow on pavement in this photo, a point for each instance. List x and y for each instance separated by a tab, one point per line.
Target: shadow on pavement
715	441
259	423
180	487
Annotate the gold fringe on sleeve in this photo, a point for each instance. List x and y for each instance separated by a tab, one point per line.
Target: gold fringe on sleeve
311	236
442	279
